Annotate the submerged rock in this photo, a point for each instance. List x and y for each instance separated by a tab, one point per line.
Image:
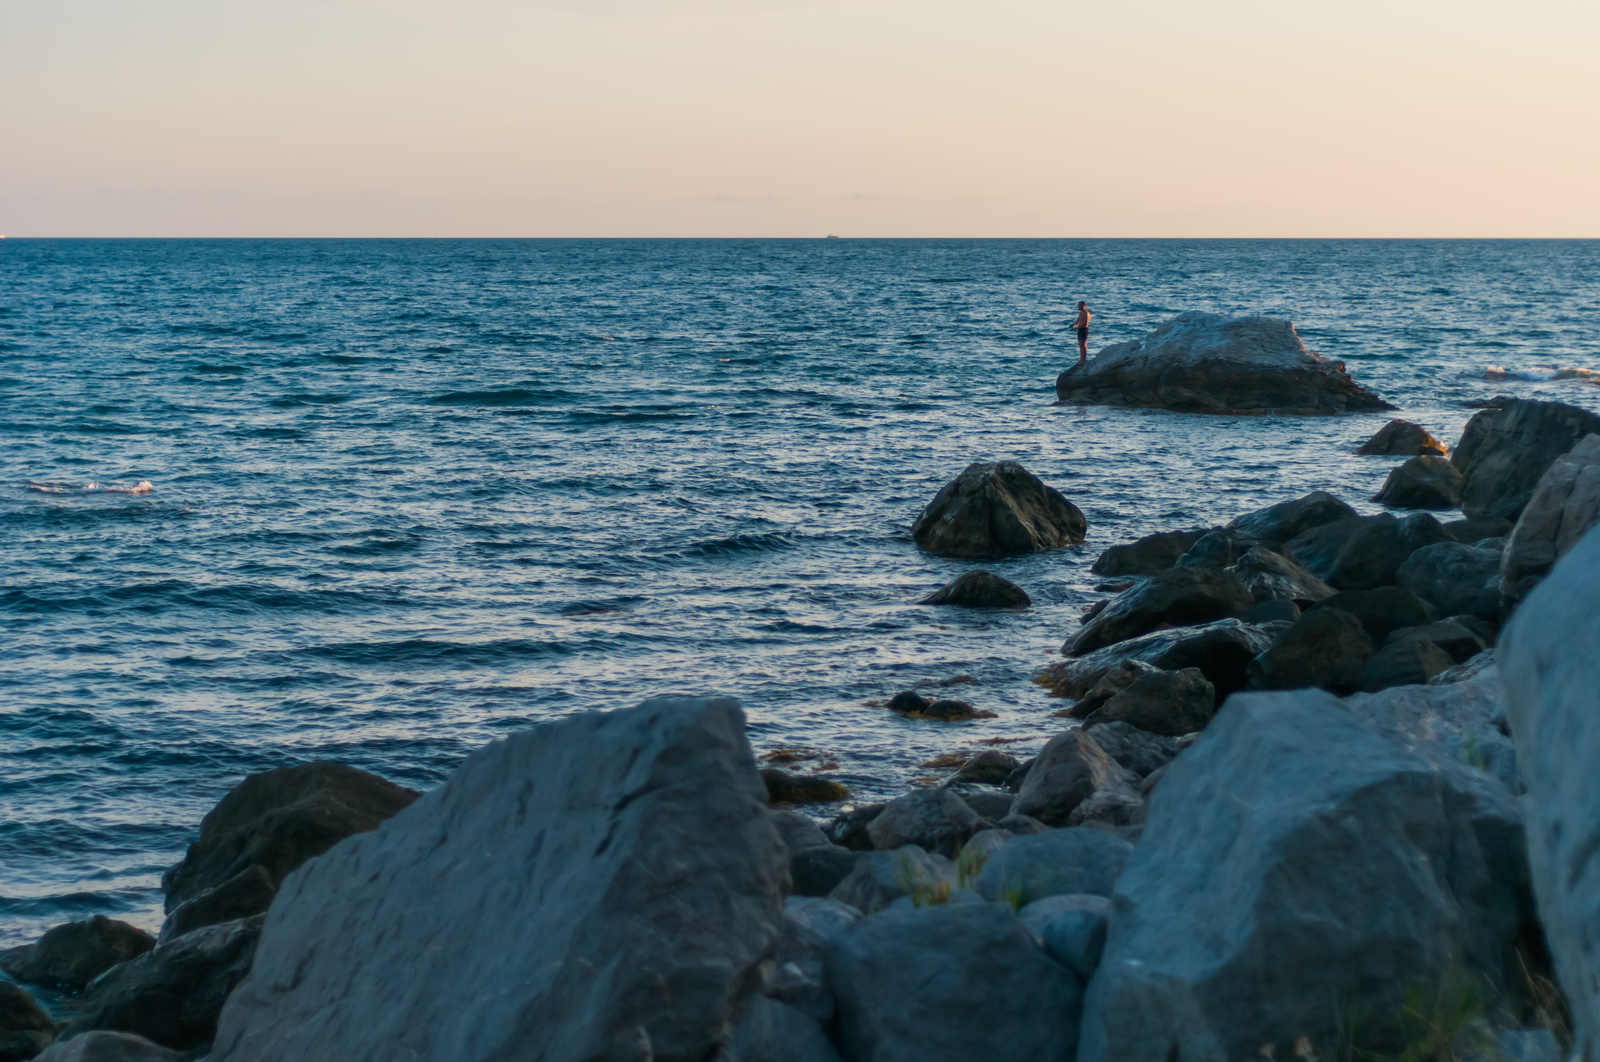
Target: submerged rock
997	510
1205	363
1430	482
1562	509
979	589
1246	915
73	954
1506	448
786	788
1181	597
603	884
1401	438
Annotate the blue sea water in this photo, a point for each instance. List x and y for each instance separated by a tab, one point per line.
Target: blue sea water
384	501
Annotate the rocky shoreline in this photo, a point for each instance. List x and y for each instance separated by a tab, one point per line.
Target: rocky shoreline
1323	790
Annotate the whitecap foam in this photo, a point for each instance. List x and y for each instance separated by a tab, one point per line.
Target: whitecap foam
1542	373
144	486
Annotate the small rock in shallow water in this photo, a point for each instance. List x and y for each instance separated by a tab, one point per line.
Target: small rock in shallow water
786	788
997	510
73	954
979	589
990	767
1401	438
1422	483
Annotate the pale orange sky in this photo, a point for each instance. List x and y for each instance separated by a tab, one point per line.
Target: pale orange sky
799	118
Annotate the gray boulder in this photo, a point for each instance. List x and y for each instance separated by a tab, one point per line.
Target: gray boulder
1222	651
1137	751
1452	635
1401	438
1383	610
1286	520
1215	549
1075	934
798	832
954	983
1065	862
818	871
246	893
1506	448
1430	482
604	884
1475	529
990	767
1182	597
1113	681
25	1029
174	993
109	1047
979	589
936	820
770	1031
1457	579
1550	663
1405	662
1069	770
808	925
1326	648
1150	555
1562	509
1271	576
881	878
1170	703
73	954
1247	915
1366	551
1205	363
848	829
997	510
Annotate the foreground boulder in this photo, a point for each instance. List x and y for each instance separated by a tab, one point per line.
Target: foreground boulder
951	984
25	1029
1069	770
1429	482
1562	509
277	820
604	886
1066	862
1506	448
1181	597
1248	914
110	1047
979	589
1550	662
72	955
1401	438
1205	363
173	994
1327	648
997	510
936	820
770	1031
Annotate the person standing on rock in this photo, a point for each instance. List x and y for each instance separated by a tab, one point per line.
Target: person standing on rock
1082	325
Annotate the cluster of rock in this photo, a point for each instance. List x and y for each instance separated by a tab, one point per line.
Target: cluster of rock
1205	363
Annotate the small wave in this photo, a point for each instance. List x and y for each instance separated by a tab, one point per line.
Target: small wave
1542	373
515	397
759	543
220	370
144	486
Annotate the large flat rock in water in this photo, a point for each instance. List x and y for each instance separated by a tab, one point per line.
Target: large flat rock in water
602	887
1206	363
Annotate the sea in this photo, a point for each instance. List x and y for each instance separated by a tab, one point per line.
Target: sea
384	501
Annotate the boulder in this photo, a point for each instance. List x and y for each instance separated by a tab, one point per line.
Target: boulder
1562	509
1407	662
1270	576
1182	597
951	984
989	767
1458	579
73	954
818	871
1137	751
1116	678
603	884
1386	609
1299	876
1505	449
1069	770
173	993
936	820
1422	483
1550	664
1205	363
1326	648
1271	612
798	832
246	893
1216	549
808	925
849	829
1372	556
1075	935
908	702
1222	651
1451	635
25	1029
1113	810
786	788
770	1031
1286	520
1150	555
1171	703
997	510
109	1047
279	819
947	710
1401	438
881	878
979	589
990	804
1056	863
1477	528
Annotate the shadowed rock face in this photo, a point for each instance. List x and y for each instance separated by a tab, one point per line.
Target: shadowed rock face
604	886
1505	449
1563	508
73	954
1178	598
1428	482
1401	438
979	589
1206	363
997	510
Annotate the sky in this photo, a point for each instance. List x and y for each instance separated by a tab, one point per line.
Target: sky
1037	118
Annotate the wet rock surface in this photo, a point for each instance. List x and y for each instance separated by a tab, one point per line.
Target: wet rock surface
979	589
1422	483
73	954
1150	555
784	787
1181	597
1402	438
997	510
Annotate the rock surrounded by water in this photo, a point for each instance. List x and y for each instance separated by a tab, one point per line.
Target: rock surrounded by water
1206	363
997	510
